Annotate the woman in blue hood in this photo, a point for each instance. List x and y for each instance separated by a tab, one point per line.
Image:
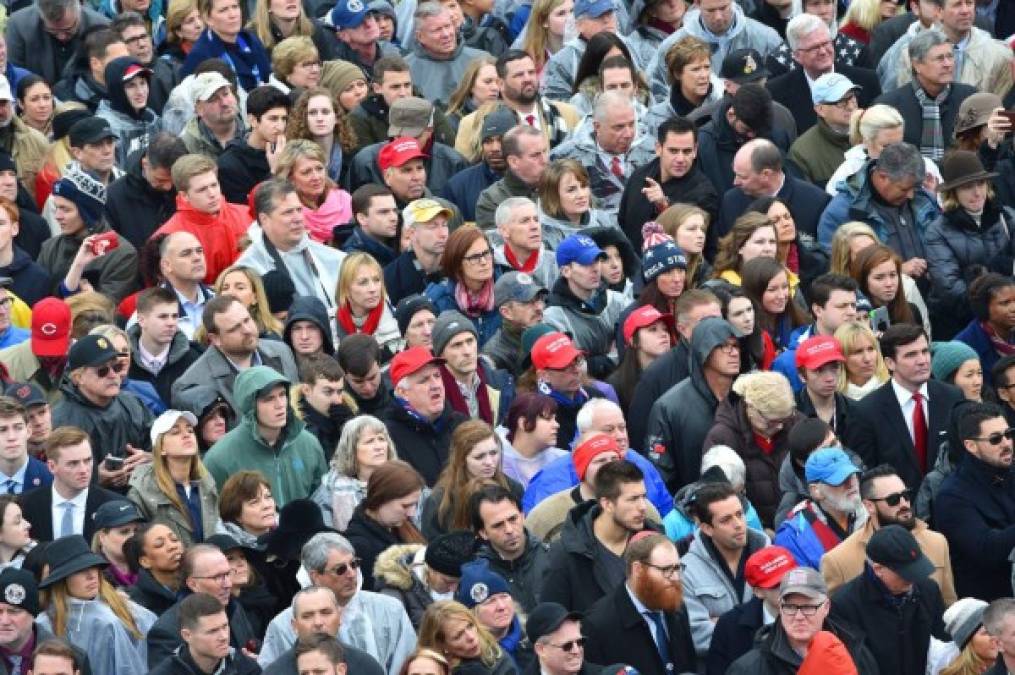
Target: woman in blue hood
126	108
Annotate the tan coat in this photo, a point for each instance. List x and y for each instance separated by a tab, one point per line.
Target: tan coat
845	562
29	152
985	64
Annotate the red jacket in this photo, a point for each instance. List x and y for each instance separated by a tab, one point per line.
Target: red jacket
219	234
825	655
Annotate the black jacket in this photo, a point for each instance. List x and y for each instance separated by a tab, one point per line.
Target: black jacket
31	281
693	188
164	636
307	308
424	446
792	91
402	278
370	539
618	633
134	208
37	508
904	100
182	353
805	201
359	241
327	428
241	167
845	408
665	372
358	662
151	594
773	655
443	163
733	635
880	434
181	663
32	228
463	189
525	574
975	510
899	636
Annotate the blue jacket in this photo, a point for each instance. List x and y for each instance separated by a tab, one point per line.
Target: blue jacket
36	475
247	57
358	241
785	363
560	475
13	335
853	202
678	525
442	295
14	75
797	535
464	187
974	336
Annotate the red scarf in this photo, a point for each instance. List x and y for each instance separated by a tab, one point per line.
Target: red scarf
349	326
1001	346
767	445
528	266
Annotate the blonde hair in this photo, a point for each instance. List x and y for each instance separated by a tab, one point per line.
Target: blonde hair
966	663
865	125
290	52
261	26
432	635
767	392
671	219
534	42
463	92
294	151
164	479
260	312
177	13
849	335
344	459
864	13
950	198
840	260
347	275
55	600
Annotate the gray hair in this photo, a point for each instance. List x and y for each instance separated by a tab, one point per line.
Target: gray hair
344	459
53	10
312	589
923	42
764	155
427	10
607	100
268	193
727	459
314	555
505	210
996	613
804	24
901	162
584	418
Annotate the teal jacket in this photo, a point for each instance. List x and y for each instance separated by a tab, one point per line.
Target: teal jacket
294	468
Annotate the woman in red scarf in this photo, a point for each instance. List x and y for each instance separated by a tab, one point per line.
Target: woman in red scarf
363	305
467	263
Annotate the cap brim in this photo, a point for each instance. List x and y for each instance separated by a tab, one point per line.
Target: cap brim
855	87
965	180
564	358
915	571
589	257
802	590
406	131
840	476
50	347
821	361
747	79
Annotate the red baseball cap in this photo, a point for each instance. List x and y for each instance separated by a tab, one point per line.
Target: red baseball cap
409	361
644	316
555	351
51	327
398	152
592	448
816	351
765	568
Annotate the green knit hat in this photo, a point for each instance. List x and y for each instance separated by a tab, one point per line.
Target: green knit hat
948	356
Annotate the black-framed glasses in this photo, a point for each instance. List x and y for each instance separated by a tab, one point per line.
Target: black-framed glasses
998	436
117	367
894	498
790	609
569	645
477	258
668	571
341	568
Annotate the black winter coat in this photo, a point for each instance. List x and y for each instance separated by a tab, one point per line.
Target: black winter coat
666	371
164	636
898	637
182	353
134	208
733	635
181	663
151	594
370	539
424	446
463	189
31	281
394	577
772	654
402	278
357	662
904	100
525	575
693	188
241	167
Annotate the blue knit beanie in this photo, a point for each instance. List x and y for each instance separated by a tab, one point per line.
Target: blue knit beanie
661	253
478	583
88	195
946	357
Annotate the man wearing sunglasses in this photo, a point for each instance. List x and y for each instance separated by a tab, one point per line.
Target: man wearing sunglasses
887	502
117	423
975	507
556	636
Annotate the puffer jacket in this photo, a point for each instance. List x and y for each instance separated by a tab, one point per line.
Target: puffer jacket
395	576
219	234
117	269
156	506
437	78
797	533
733	429
745	33
590	324
709	591
442	295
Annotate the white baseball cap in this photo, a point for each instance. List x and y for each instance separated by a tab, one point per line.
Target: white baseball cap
166	420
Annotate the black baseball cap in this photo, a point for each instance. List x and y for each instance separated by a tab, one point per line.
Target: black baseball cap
895	547
90	130
546	618
26	393
116	513
743	66
91	350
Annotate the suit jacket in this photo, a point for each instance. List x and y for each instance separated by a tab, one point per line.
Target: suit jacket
806	203
845	562
37	475
879	434
904	100
792	91
617	633
37	507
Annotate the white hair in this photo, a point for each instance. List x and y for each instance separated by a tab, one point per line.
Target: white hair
584	418
505	210
607	100
804	24
727	459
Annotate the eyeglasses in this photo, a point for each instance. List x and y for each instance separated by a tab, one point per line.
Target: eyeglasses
477	258
668	571
117	367
569	645
847	103
807	610
821	45
996	437
219	578
340	569
894	498
577	364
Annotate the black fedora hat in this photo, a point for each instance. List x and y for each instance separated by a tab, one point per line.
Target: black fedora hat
298	521
68	555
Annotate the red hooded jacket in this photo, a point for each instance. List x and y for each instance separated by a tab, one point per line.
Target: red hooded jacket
219	234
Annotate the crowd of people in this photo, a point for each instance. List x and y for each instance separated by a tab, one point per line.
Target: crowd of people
507	337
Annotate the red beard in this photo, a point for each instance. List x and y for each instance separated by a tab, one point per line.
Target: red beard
662	595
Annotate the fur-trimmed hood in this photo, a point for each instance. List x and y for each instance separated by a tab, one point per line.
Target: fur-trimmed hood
394	566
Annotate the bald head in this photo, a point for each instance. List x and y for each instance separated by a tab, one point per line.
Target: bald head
181	260
757	168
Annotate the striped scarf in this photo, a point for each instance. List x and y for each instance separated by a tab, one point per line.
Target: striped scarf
932	141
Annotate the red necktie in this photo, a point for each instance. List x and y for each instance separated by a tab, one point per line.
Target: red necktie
920	431
616	168
531	119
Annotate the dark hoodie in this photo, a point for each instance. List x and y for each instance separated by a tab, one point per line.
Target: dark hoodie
134	208
134	127
307	308
241	167
31	281
77	84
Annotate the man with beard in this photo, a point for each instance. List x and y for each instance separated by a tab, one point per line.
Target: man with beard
975	507
216	121
887	502
643	622
894	602
586	562
713	579
833	512
463	189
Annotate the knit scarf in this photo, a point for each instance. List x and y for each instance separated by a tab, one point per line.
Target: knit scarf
580	398
932	142
475	304
1002	346
345	320
528	266
453	392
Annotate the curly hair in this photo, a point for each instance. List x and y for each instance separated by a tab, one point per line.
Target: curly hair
299	129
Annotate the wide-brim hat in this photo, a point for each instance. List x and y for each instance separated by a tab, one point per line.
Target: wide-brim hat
962	167
298	521
68	555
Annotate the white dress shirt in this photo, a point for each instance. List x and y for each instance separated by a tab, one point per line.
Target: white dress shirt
906	403
78	515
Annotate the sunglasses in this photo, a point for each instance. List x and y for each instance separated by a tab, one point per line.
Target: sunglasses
116	367
341	569
894	498
998	436
569	645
